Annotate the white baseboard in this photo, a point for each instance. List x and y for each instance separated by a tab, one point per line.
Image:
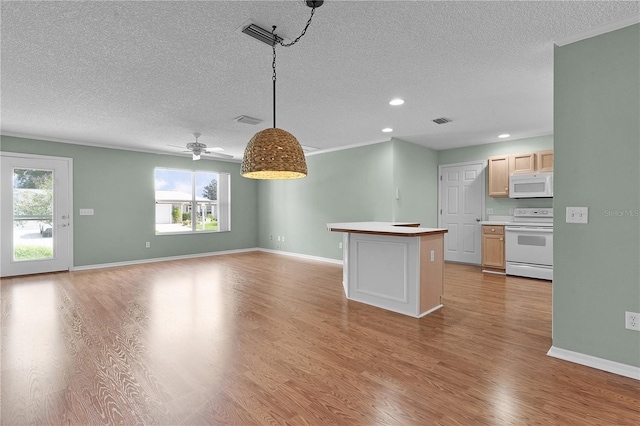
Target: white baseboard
489	271
302	256
160	259
193	256
595	362
430	310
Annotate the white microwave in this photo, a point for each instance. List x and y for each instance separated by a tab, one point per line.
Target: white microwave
538	185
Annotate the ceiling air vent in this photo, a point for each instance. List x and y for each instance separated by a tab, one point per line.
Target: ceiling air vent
261	34
441	120
245	119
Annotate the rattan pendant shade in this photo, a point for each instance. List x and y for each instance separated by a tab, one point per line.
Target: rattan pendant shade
273	154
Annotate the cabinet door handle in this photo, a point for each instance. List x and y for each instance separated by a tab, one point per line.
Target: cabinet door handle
493	229
501	239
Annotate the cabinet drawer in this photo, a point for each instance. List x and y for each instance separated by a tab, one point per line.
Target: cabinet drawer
493	229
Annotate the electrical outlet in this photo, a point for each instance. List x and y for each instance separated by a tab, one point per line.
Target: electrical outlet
278	237
489	211
340	246
147	244
632	321
283	238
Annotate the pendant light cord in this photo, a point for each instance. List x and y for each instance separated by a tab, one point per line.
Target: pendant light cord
273	65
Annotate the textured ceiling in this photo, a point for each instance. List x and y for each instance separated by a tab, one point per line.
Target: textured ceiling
145	75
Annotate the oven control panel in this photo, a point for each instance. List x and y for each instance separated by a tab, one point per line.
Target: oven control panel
546	212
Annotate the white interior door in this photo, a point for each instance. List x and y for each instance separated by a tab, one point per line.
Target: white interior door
35	214
461	198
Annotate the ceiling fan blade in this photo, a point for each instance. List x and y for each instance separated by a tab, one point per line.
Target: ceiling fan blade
181	147
217	154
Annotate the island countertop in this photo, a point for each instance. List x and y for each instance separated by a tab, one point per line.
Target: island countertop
398	229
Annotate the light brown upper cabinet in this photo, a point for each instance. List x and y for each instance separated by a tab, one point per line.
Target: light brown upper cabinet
522	163
498	176
544	161
502	166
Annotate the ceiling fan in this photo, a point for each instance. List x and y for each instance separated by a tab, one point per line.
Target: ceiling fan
198	148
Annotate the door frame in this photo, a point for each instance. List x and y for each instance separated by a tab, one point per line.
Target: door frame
69	162
482	163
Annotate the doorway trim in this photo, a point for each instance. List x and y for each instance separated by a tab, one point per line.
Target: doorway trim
69	162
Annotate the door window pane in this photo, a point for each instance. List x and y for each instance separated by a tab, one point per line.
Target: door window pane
33	230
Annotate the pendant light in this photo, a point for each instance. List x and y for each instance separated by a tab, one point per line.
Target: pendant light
275	153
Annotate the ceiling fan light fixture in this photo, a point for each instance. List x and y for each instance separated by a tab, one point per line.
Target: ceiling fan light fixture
196	156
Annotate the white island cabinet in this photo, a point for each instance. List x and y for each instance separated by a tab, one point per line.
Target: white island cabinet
394	266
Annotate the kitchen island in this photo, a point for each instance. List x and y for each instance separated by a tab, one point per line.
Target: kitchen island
396	266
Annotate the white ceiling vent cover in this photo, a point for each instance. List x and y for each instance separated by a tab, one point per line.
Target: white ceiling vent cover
245	119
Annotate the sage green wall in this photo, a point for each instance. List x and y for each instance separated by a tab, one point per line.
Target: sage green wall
350	185
500	206
415	175
119	186
597	158
342	186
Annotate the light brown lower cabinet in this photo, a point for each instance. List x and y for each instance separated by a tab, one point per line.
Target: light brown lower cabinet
493	248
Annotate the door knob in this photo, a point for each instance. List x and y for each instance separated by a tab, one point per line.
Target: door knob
477	220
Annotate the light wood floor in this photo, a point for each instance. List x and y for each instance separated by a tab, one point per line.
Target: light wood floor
257	338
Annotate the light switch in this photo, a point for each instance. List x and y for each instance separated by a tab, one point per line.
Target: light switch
577	215
86	212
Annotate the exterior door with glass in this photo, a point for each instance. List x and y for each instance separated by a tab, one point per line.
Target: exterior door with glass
35	221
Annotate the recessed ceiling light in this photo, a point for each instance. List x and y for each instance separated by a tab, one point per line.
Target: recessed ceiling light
396	102
504	135
387	129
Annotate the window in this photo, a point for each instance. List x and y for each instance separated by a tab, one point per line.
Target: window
188	201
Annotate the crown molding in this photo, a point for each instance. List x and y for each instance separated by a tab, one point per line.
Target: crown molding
601	29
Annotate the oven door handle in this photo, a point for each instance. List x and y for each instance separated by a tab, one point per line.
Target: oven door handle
534	230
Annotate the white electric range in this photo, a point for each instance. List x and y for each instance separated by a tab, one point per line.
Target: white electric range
529	243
